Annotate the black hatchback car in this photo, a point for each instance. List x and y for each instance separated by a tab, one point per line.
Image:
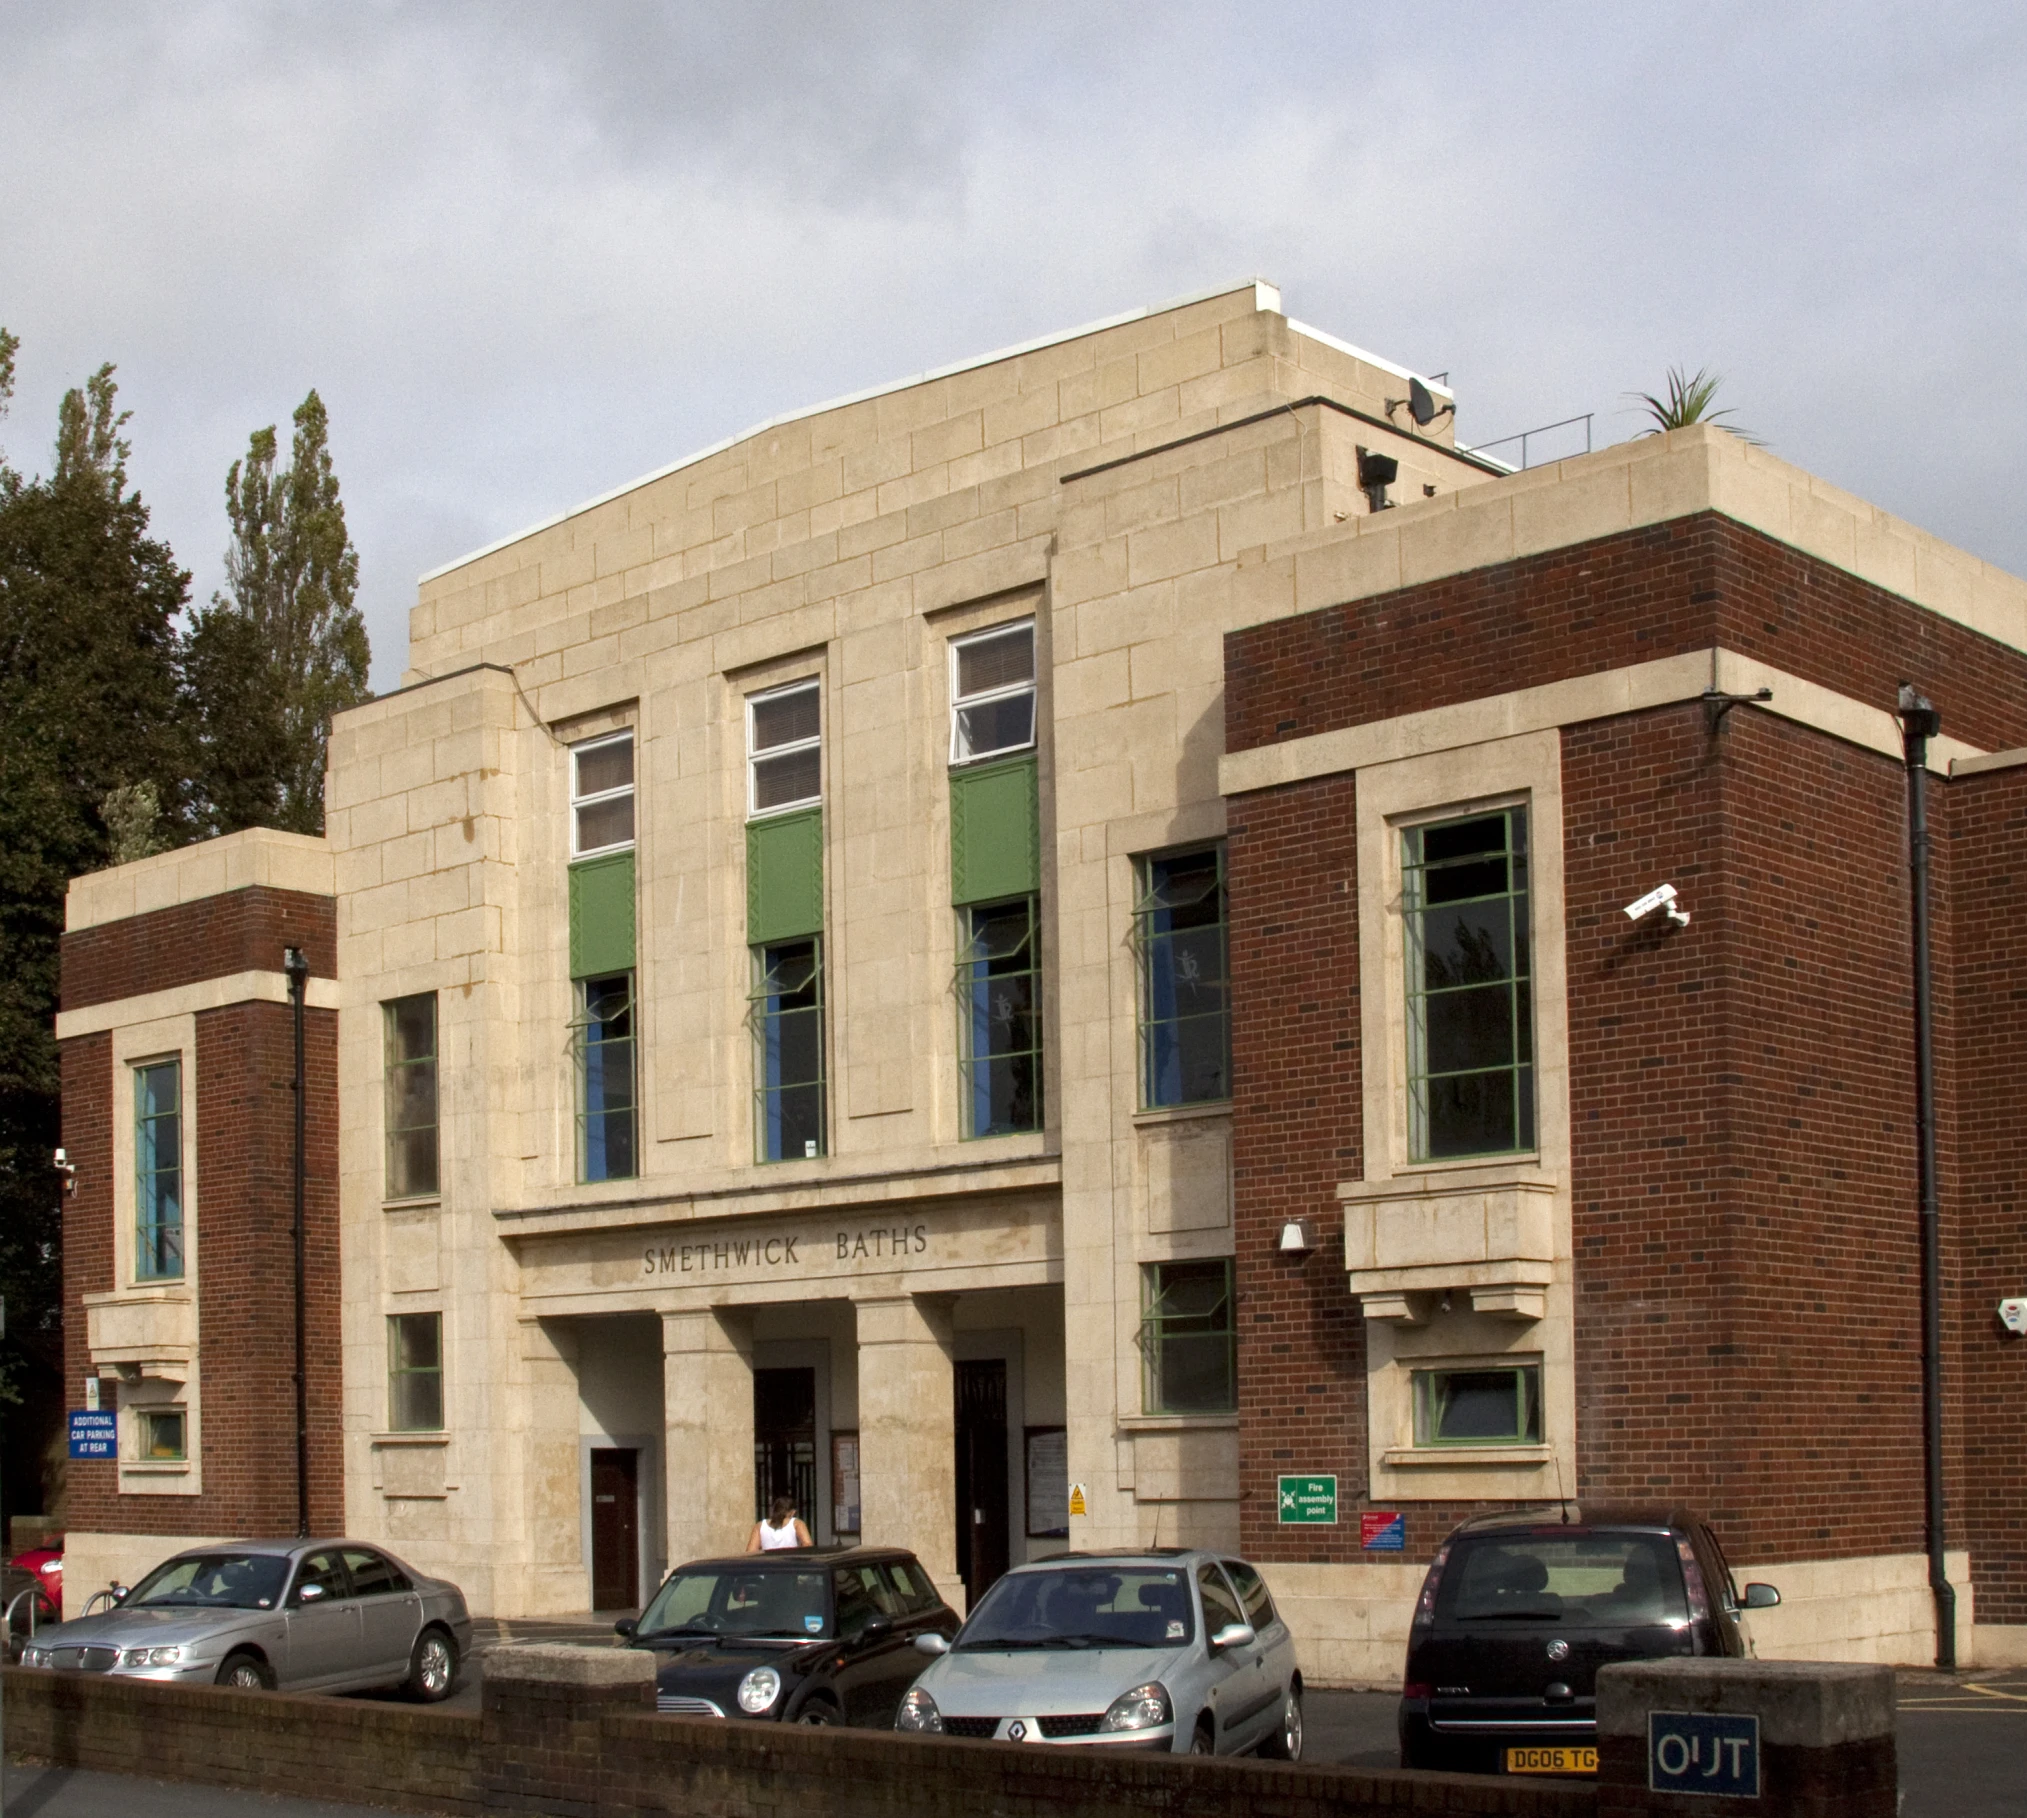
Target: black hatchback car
804	1635
1520	1610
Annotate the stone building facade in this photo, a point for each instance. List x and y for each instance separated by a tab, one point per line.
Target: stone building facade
848	955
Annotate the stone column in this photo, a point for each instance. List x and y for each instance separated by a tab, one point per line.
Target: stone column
907	1433
707	1417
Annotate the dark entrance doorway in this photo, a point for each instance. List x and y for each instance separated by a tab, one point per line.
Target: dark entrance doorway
982	1537
615	1529
784	1441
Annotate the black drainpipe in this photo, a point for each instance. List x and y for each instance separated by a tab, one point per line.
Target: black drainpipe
1920	722
296	963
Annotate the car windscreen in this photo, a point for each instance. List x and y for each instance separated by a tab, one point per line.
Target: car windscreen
1576	1580
1083	1606
739	1601
225	1581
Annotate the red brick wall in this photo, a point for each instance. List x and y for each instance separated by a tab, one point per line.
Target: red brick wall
1619	600
1748	1315
244	1252
1985	1209
241	931
1296	1132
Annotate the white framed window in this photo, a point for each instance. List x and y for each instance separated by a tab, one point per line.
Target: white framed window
601	795
784	748
992	693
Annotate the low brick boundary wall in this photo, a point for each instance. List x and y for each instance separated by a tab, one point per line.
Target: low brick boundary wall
566	1740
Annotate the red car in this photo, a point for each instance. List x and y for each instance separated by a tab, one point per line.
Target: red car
45	1566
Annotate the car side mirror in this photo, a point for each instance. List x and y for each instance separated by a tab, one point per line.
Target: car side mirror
623	1628
119	1592
1760	1597
309	1593
929	1642
1233	1635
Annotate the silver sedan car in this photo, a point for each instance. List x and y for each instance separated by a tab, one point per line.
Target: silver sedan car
1168	1650
308	1615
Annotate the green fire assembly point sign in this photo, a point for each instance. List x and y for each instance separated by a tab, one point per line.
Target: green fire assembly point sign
1309	1499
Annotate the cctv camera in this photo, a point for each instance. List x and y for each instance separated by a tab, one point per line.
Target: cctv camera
1662	896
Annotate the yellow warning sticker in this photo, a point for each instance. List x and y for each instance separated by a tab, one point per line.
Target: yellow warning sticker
1077	1499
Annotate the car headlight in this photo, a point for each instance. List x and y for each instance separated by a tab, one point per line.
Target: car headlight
147	1657
758	1690
918	1712
37	1657
1146	1707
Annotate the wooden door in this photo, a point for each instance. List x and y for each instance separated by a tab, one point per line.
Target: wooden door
615	1529
983	1532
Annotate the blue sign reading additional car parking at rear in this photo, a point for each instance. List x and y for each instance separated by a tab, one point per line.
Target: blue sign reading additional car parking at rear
94	1433
1702	1752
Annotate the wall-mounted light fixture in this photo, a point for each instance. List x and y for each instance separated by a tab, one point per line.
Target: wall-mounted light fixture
1376	472
1297	1239
67	1169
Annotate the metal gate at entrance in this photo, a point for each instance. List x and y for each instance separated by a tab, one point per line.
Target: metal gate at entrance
982	1531
784	1441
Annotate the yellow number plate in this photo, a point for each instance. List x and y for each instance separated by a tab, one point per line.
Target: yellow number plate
1551	1761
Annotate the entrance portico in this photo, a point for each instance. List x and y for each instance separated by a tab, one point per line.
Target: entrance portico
846	1332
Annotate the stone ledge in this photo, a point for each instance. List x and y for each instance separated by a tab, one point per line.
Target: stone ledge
1800	1704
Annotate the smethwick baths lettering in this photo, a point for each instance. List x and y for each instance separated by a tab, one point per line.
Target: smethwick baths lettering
876	1243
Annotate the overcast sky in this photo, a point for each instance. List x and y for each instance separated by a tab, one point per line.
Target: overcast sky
529	252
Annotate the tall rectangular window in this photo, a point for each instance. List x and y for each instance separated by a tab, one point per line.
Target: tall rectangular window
1185	1013
992	693
158	1171
999	990
410	1050
606	1099
1470	1009
784	747
1189	1338
415	1373
601	795
788	1057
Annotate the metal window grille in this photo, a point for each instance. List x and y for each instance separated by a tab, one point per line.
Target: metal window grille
992	693
411	1096
999	994
602	1036
415	1373
787	1014
601	795
1179	925
1470	1009
158	1171
784	744
1188	1338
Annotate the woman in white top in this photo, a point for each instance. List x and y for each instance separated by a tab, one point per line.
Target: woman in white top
782	1529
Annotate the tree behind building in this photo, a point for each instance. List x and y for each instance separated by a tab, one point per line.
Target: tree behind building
283	647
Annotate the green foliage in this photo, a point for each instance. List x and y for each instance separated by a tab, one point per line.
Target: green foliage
1689	401
283	648
89	717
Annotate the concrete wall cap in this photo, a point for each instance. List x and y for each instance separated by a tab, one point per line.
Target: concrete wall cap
558	1664
1800	1703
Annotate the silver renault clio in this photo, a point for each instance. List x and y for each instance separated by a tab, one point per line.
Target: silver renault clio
303	1615
1166	1650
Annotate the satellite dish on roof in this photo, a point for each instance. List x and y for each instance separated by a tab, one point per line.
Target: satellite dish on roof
1421	403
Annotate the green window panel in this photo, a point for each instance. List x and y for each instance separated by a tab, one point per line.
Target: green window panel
601	915
784	877
995	832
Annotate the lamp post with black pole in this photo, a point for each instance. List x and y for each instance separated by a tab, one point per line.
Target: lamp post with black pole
1920	722
296	964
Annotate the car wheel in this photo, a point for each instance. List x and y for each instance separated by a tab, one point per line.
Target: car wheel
1285	1744
247	1671
1205	1741
432	1668
818	1710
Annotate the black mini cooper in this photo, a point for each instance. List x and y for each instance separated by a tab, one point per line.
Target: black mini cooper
1521	1609
800	1636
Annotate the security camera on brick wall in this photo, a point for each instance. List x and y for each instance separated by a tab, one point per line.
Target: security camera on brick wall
1662	896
